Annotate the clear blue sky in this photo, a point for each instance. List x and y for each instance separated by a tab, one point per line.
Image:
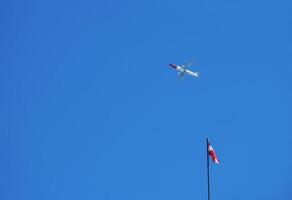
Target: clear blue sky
90	108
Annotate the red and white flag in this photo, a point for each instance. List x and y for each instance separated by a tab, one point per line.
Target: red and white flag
212	154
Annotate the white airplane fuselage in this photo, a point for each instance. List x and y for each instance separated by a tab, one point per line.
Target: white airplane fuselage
183	71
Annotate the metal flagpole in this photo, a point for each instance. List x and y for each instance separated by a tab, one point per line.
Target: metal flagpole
208	170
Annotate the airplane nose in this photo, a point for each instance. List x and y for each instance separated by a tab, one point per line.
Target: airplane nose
173	66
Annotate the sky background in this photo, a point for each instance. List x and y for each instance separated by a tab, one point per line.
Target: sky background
90	108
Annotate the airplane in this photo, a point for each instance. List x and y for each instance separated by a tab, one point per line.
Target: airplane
183	69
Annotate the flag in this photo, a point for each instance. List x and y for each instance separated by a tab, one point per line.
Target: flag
212	154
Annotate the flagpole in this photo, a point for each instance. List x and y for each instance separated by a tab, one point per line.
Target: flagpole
208	170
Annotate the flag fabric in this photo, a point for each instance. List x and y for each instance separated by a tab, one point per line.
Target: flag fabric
212	154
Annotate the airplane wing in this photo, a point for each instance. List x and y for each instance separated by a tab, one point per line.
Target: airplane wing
185	66
181	76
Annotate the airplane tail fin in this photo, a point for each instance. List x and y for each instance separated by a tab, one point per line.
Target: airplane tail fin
197	74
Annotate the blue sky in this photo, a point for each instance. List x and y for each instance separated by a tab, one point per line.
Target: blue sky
90	108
